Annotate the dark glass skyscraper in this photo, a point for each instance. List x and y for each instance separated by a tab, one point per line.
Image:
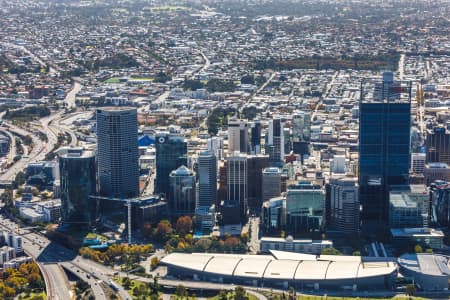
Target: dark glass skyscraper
438	145
384	156
117	150
171	153
256	137
77	169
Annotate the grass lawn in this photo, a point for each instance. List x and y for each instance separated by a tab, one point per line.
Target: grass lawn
134	283
113	80
231	296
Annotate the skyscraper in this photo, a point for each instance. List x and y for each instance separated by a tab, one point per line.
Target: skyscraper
238	138
384	156
207	179
171	153
207	190
215	146
256	137
343	205
255	165
438	145
271	183
237	185
117	150
182	192
305	204
78	169
276	141
301	126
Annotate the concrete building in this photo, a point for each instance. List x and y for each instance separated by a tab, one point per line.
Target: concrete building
285	269
215	145
409	207
418	162
438	145
301	126
182	194
344	207
117	152
338	164
290	244
238	136
271	183
427	237
436	171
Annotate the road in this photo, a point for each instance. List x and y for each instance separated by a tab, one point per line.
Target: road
33	56
35	155
325	94
12	145
51	256
70	97
163	97
55	279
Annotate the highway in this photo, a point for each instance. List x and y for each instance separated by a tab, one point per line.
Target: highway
12	145
52	256
70	97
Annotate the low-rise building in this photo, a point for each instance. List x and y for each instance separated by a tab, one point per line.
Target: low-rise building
427	237
290	245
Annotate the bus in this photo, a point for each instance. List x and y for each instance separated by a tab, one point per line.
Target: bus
114	285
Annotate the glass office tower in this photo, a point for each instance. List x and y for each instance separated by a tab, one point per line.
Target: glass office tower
171	153
384	156
77	169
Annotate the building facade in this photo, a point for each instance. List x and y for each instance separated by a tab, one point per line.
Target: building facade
271	183
78	183
238	137
237	181
117	151
182	194
438	145
384	157
344	206
305	205
171	153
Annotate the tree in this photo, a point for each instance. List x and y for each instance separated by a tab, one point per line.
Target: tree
163	230
240	293
192	85
183	225
248	79
223	295
356	253
146	230
410	290
126	283
154	262
181	291
331	251
418	249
